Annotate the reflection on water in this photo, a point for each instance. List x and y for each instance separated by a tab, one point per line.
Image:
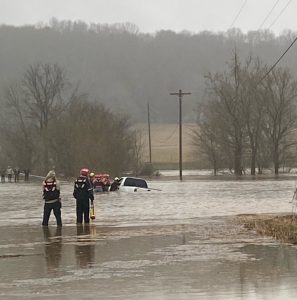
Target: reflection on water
180	243
85	246
210	260
52	247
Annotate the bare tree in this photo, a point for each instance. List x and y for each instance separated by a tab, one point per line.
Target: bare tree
205	137
244	115
280	117
137	152
95	138
227	109
43	86
19	133
253	107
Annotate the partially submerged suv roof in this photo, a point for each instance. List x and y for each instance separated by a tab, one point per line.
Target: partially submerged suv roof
136	182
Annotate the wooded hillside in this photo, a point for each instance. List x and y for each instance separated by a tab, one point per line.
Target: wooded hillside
125	69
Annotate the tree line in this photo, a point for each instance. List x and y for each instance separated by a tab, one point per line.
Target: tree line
48	123
249	118
126	69
241	122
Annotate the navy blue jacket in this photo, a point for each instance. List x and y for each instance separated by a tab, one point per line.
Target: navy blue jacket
83	189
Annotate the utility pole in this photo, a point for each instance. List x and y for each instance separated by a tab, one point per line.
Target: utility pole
180	94
149	131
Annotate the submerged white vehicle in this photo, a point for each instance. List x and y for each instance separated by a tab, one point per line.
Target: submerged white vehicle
133	184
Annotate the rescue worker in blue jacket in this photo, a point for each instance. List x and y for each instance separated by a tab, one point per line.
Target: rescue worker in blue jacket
52	200
83	192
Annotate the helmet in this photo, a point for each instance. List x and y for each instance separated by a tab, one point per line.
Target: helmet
116	179
84	172
92	174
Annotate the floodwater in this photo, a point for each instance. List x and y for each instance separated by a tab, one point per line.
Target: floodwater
177	243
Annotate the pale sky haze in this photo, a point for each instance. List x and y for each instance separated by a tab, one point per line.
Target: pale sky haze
154	15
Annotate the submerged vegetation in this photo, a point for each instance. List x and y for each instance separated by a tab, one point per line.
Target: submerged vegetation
282	228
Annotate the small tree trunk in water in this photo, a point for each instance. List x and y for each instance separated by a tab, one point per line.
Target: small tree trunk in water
276	167
214	167
259	169
253	162
237	162
276	160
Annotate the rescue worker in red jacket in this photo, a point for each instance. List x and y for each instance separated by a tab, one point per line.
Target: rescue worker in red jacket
83	192
52	200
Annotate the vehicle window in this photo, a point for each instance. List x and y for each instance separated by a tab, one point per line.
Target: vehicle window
135	182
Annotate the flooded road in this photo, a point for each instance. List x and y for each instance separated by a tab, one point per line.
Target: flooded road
179	243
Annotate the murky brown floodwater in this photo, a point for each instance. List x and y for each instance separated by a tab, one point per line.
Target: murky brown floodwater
180	243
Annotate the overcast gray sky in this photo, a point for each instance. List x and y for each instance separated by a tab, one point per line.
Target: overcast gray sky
154	15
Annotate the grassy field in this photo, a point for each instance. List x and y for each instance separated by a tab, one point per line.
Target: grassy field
165	143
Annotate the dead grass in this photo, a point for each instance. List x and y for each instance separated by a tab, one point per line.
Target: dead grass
282	228
165	142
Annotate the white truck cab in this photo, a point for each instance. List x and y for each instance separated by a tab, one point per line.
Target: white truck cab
133	184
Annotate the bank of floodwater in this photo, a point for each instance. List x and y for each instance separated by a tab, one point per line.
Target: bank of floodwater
281	227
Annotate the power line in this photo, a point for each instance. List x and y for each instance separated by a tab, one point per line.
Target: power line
239	12
273	66
281	12
171	135
167	138
268	15
162	140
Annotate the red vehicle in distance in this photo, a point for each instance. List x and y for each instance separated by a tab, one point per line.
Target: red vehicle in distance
101	182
